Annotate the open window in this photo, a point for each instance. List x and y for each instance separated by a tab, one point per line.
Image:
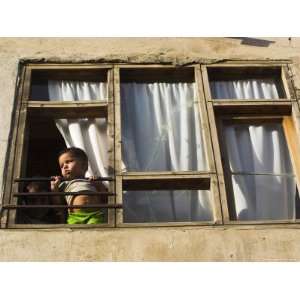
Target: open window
59	106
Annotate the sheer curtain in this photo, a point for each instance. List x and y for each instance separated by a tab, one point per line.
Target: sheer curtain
245	89
161	131
262	178
260	149
89	134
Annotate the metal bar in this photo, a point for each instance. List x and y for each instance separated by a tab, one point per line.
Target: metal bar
62	194
51	179
266	174
12	206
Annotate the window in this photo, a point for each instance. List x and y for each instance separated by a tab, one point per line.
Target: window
254	118
193	145
60	106
164	165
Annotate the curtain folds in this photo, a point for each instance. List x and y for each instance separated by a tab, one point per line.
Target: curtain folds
89	134
262	178
161	131
161	128
245	89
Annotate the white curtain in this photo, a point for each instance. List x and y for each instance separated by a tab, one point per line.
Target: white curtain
245	89
262	177
89	134
161	131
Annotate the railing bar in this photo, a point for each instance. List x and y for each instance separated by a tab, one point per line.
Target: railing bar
26	179
62	194
261	174
115	206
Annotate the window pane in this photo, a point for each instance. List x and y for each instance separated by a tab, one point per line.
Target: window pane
64	90
259	197
68	85
245	89
161	128
262	176
257	148
166	206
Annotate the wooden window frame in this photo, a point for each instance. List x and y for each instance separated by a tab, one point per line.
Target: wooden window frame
165	176
25	108
209	110
253	108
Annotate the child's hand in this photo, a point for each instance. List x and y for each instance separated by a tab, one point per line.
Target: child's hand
92	178
55	181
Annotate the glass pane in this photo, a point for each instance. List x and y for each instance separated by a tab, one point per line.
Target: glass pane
64	90
257	148
68	85
261	197
262	179
245	89
166	206
161	128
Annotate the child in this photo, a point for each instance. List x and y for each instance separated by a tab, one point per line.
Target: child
73	163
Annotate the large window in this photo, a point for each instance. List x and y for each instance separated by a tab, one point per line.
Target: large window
254	118
174	145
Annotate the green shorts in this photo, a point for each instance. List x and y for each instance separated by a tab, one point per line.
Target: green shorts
83	217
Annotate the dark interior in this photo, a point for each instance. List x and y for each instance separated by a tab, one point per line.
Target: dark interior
150	75
44	144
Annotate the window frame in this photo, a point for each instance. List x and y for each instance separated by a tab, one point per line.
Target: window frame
210	174
25	107
208	108
218	108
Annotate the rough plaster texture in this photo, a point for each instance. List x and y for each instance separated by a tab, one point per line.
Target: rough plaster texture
152	244
159	244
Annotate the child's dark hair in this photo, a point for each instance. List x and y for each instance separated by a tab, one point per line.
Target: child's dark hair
76	152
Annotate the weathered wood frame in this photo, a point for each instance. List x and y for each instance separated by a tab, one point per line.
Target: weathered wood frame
209	110
148	180
25	107
217	108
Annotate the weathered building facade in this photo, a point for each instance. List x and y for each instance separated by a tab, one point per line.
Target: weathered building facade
221	237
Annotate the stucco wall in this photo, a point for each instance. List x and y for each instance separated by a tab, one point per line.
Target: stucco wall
191	243
152	244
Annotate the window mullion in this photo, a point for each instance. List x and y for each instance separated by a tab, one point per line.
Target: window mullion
117	145
222	197
288	87
111	143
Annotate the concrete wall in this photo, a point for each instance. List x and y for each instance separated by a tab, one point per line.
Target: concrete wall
188	243
152	244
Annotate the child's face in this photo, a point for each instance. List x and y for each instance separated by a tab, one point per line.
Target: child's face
71	167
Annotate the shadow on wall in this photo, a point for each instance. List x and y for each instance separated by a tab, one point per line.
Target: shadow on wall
253	42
